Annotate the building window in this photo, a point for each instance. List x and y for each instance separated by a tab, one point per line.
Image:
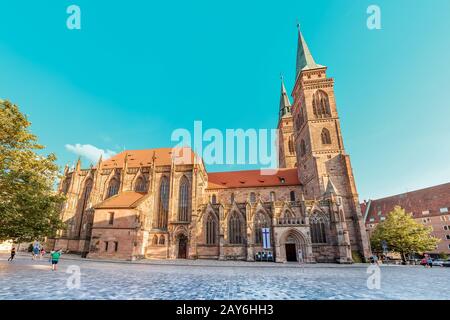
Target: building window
447	236
372	219
326	137
292	195
214	199
232	197
446	228
162	240
183	201
235	229
87	193
66	185
321	104
252	197
155	240
302	148
425	212
113	188
111	218
211	229
382	218
106	246
116	246
273	196
163	211
140	186
291	144
318	231
261	221
443	210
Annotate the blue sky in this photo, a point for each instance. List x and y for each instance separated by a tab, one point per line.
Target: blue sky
137	70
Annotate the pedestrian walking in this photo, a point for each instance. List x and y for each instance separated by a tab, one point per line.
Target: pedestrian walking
42	253
54	255
430	262
36	252
13	253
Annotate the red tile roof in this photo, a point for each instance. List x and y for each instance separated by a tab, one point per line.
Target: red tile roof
137	158
126	199
252	178
429	199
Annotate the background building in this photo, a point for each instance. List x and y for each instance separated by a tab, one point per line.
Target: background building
429	206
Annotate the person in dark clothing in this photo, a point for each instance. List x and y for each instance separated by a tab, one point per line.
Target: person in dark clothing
13	253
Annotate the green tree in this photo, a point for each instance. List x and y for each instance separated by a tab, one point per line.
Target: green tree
403	234
29	206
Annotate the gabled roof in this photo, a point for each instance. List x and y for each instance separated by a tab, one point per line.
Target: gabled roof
137	158
252	178
123	200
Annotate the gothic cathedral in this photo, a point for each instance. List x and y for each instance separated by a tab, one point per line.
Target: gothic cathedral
145	204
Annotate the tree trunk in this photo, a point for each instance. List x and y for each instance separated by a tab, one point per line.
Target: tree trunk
403	258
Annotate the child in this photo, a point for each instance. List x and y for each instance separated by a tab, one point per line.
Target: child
55	258
13	253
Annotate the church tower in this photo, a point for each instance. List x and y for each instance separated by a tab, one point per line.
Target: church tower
323	165
286	144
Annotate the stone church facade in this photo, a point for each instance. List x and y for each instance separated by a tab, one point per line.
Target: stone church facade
148	204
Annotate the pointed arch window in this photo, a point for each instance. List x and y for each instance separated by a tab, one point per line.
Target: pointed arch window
235	229
321	104
113	187
318	229
326	137
162	240
183	200
86	193
261	221
163	209
252	197
155	240
273	196
214	199
141	185
302	148
291	144
211	229
232	197
66	185
292	195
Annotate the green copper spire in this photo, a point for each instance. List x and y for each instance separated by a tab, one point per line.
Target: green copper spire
305	59
285	104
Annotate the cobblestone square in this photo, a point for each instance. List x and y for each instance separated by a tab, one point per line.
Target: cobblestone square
185	279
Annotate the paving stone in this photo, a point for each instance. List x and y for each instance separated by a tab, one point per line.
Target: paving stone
27	279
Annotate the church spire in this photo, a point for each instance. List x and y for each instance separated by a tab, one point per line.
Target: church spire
285	104
305	59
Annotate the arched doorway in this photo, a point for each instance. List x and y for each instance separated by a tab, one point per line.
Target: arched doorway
182	247
295	247
291	249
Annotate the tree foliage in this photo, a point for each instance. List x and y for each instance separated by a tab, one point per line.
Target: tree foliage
403	234
29	206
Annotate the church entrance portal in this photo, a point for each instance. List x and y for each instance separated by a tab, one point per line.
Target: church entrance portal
182	247
291	254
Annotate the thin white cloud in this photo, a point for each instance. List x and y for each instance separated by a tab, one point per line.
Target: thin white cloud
90	152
